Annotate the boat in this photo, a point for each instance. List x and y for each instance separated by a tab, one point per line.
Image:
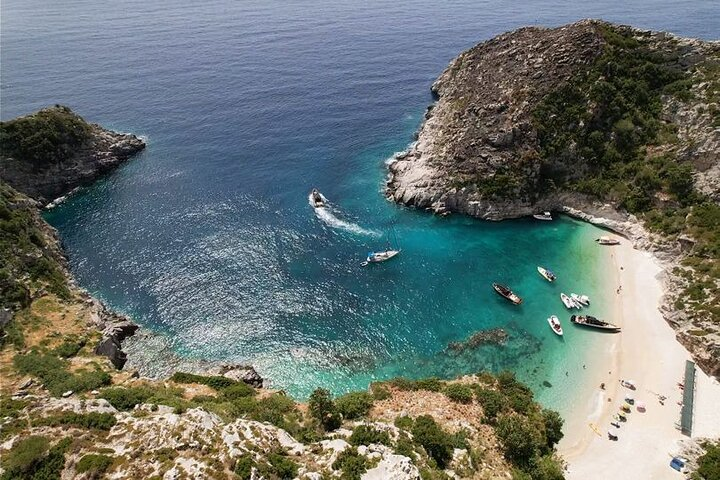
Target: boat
316	198
548	274
383	256
543	216
607	241
377	257
568	302
581	300
554	322
505	292
590	321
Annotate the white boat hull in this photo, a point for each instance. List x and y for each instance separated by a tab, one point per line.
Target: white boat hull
380	257
555	326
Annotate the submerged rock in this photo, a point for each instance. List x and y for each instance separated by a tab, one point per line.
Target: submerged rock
493	336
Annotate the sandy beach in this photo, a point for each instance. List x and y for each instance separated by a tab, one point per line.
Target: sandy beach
647	353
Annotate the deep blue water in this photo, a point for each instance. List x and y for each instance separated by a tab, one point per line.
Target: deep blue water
207	237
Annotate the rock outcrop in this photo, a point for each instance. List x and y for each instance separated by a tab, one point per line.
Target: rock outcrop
480	149
99	152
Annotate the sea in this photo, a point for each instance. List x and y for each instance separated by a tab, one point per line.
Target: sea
207	238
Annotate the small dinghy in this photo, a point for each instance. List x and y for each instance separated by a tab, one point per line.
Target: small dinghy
543	216
554	323
592	322
547	274
607	241
581	300
567	301
505	292
377	257
316	198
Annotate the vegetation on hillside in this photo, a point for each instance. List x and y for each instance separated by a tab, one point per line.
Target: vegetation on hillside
709	463
47	137
602	134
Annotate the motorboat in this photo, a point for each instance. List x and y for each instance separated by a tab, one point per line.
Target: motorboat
604	240
378	257
554	322
547	274
568	302
505	292
592	322
543	216
316	198
582	300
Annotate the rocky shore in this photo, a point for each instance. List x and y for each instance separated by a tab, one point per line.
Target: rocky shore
99	151
478	151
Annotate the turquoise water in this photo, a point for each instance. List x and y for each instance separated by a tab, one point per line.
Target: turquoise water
207	237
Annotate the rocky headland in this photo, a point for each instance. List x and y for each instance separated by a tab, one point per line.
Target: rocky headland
610	124
47	154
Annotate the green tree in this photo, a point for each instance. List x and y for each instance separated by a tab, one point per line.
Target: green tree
521	440
355	404
322	408
553	427
436	442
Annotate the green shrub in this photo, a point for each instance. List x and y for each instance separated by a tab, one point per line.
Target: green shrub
322	408
493	402
436	442
351	463
282	466
709	463
404	422
30	458
94	465
91	420
126	398
237	391
365	435
55	376
459	392
380	392
404	446
547	467
12	334
69	347
217	382
243	466
553	427
520	438
354	405
431	384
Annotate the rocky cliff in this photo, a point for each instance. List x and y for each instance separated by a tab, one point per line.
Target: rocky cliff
47	154
615	125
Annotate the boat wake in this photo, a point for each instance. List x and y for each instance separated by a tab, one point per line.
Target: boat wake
330	219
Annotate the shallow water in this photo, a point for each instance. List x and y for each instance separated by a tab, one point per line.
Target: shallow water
207	238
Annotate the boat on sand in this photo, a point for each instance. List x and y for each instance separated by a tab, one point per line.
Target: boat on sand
547	274
505	292
554	323
592	322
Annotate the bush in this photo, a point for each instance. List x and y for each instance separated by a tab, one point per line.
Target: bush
283	467
30	458
547	467
380	392
69	347
493	402
354	405
217	382
322	408
404	422
125	398
365	435
431	384
709	463
91	420
243	466
459	392
436	442
94	465
237	391
521	440
55	376
553	427
352	464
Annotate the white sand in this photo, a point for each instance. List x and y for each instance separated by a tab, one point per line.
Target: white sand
647	353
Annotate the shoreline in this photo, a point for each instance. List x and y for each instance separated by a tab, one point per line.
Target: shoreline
648	353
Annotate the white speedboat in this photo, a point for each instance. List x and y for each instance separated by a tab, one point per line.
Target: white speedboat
567	301
316	199
547	274
543	216
554	323
377	257
583	300
607	241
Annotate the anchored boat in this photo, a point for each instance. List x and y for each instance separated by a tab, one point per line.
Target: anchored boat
377	257
592	322
568	302
582	300
554	323
547	274
505	292
607	241
543	216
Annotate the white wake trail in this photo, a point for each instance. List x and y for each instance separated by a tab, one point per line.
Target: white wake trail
329	218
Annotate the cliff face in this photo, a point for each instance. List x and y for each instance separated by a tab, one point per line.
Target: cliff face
47	154
618	126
